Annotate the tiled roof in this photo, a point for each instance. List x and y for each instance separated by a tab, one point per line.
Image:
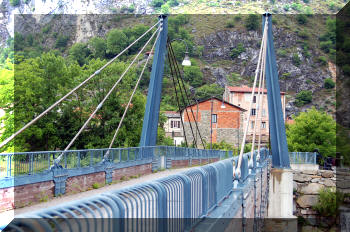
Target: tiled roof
171	114
245	89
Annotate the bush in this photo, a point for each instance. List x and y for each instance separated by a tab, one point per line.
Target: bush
61	41
303	97
326	46
14	2
329	83
230	24
306	1
302	19
296	59
157	3
296	6
95	185
237	51
328	202
346	70
252	22
322	60
116	41
303	34
282	52
286	7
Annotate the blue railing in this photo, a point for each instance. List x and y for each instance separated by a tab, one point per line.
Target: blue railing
29	163
302	157
174	203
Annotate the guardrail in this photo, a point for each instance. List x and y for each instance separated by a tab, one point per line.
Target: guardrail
302	157
29	163
175	203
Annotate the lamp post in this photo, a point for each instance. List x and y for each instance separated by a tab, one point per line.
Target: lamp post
186	61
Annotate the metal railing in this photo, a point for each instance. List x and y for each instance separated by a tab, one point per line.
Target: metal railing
302	157
29	163
174	203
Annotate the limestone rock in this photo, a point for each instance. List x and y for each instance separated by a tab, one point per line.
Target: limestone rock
301	178
312	188
310	172
307	201
327	174
328	183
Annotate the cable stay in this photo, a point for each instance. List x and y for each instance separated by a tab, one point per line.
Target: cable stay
73	90
130	99
187	96
259	70
99	106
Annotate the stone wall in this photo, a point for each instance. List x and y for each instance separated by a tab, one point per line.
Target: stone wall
306	186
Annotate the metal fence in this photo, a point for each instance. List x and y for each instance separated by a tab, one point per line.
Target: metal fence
29	163
174	203
302	157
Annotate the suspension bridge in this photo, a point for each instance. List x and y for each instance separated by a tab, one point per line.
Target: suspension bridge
223	186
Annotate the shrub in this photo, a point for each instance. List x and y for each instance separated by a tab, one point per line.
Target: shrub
296	6
328	202
306	1
286	7
303	97
157	3
322	60
95	185
230	24
238	18
329	83
14	2
282	52
346	70
302	19
61	41
252	22
303	34
237	51
326	45
296	59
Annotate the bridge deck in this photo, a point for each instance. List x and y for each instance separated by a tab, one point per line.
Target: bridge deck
8	215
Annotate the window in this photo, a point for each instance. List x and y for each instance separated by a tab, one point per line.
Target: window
253	112
214	118
263	113
263	125
171	124
178	124
252	124
175	124
254	99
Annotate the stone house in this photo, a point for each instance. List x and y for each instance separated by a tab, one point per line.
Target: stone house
241	96
173	127
226	121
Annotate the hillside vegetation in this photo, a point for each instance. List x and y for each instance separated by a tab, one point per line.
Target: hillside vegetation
55	53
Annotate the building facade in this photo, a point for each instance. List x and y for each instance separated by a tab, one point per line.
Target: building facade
173	127
217	121
241	96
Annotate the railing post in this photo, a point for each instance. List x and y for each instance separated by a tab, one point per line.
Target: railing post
91	158
9	158
78	159
31	165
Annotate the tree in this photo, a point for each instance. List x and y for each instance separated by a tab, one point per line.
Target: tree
79	52
193	75
98	47
116	41
207	91
312	130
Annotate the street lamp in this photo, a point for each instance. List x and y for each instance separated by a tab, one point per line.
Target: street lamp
186	61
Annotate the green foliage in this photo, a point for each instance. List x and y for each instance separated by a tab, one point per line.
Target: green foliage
306	1
173	2
252	22
95	185
303	97
221	146
79	52
165	8
296	60
230	24
326	46
312	130
61	41
282	52
346	70
322	60
157	3
237	50
301	19
207	91
15	2
329	83
116	41
296	6
286	7
97	47
304	34
329	202
193	75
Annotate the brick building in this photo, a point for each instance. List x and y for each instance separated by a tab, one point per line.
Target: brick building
173	127
241	97
226	121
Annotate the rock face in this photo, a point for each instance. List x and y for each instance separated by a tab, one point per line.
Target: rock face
306	201
312	188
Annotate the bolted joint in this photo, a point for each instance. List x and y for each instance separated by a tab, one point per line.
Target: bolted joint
97	72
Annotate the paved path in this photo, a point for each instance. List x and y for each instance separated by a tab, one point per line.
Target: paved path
9	215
